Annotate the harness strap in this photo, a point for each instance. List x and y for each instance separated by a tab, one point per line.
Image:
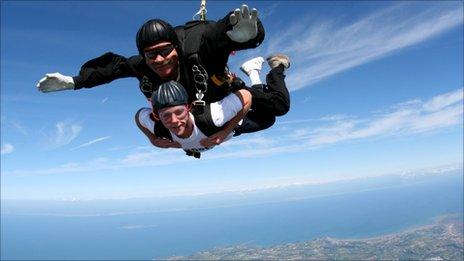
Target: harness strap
204	121
195	154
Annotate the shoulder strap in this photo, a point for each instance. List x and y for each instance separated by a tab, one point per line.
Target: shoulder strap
190	38
204	121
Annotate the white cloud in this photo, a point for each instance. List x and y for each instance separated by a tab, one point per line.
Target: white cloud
446	117
63	134
407	118
431	170
322	48
138	226
155	157
444	100
7	148
91	142
247	141
70	167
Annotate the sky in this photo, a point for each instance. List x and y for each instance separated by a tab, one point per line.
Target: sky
376	88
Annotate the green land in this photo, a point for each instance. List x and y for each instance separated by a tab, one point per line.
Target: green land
442	240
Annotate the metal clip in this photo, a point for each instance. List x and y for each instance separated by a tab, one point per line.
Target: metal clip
146	85
200	76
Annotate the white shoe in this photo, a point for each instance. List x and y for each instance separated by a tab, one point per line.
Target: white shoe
278	59
253	64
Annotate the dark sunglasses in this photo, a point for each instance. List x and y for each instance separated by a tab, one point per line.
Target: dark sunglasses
163	51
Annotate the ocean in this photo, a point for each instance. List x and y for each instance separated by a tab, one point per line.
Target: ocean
358	214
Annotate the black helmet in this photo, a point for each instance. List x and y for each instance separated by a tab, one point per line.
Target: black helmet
155	31
169	94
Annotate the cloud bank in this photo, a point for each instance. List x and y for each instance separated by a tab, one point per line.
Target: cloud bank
321	49
406	118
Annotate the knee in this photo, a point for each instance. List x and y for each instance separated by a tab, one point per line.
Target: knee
266	122
269	122
245	97
281	107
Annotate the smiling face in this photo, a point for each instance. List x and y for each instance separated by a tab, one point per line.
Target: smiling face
163	59
177	119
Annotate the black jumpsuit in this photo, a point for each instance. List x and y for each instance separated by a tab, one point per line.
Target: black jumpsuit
214	49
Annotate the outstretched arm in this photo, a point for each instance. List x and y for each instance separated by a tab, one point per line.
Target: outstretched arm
98	71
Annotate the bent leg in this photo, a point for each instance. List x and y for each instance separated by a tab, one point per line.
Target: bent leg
253	122
268	101
273	98
277	91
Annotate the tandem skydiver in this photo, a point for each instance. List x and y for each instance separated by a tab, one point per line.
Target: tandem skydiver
200	130
195	54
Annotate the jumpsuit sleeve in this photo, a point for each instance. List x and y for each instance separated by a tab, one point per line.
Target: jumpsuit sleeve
216	46
216	36
105	69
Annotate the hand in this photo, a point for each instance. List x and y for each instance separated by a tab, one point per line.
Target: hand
165	143
215	139
245	25
55	82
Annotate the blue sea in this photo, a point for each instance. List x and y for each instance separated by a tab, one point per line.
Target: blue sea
370	211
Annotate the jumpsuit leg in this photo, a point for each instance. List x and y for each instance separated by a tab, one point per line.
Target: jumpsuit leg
254	122
277	92
268	102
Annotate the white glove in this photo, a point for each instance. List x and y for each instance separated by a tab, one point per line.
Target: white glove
245	25
53	82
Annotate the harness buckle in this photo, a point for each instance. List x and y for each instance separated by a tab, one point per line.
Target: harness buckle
199	103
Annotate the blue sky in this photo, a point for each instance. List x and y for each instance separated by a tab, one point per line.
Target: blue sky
376	88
